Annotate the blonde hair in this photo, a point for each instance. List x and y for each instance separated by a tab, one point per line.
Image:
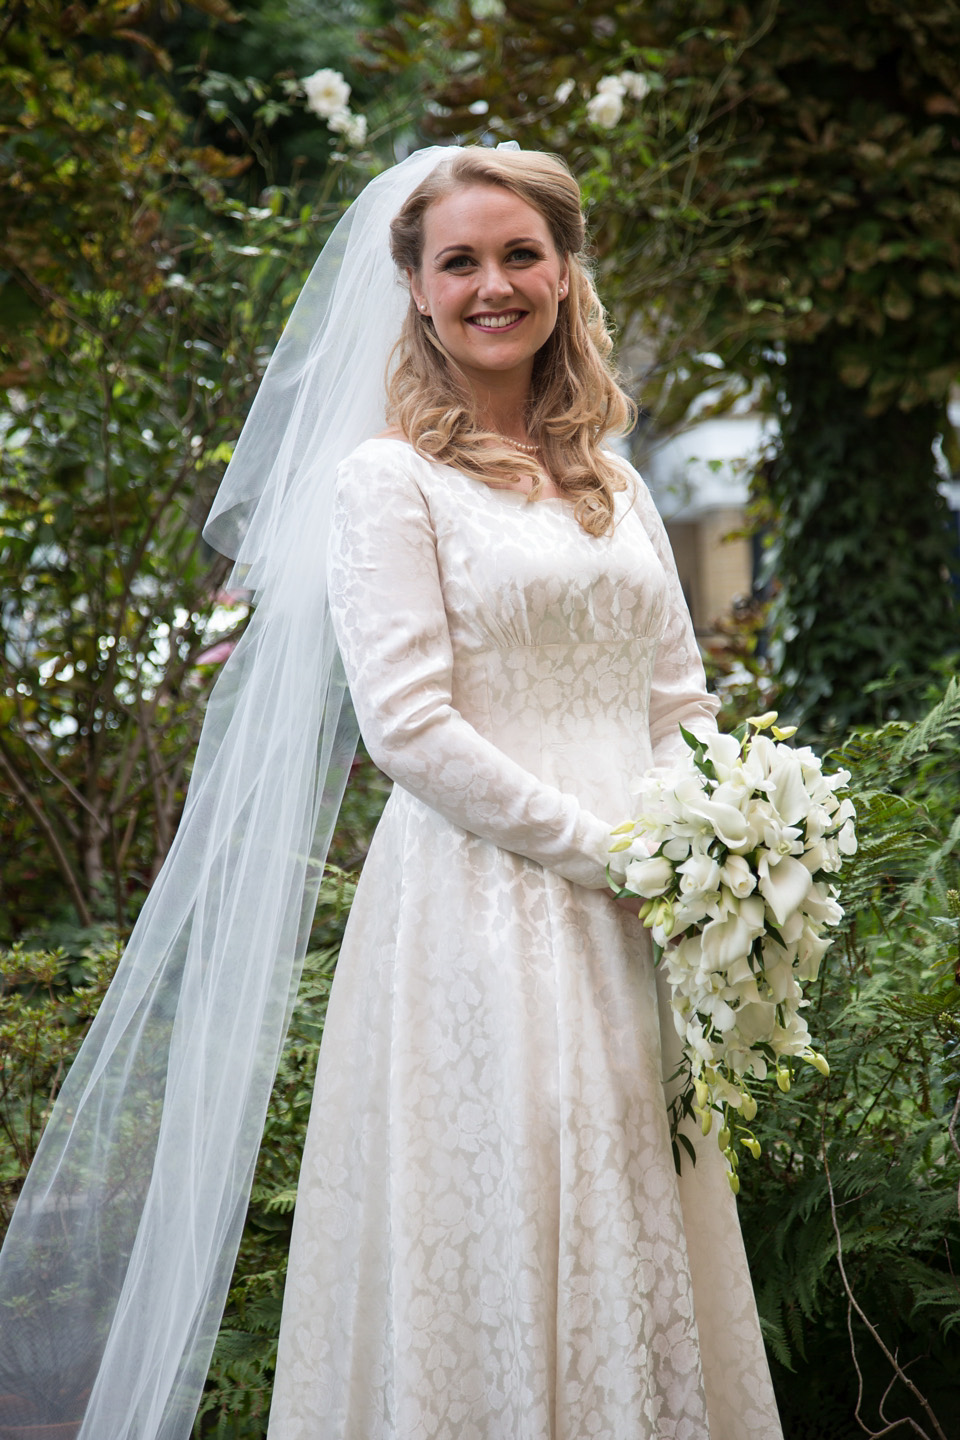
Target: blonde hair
575	400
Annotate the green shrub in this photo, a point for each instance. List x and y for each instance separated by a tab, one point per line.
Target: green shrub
864	1158
48	997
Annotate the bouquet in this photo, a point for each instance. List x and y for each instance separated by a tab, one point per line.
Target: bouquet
733	855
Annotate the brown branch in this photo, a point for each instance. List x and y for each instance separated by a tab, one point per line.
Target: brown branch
854	1305
53	839
57	774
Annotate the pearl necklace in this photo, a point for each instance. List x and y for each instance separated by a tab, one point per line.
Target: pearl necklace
519	445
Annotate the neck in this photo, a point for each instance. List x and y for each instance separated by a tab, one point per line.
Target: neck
501	405
508	419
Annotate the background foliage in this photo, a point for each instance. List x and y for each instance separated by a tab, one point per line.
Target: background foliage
144	274
783	199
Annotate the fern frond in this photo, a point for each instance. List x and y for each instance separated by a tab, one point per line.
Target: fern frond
282	1201
935	727
236	1346
775	1338
923	1008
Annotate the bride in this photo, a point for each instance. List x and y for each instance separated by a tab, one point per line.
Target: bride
490	1240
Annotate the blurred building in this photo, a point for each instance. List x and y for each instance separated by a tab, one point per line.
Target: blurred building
699	481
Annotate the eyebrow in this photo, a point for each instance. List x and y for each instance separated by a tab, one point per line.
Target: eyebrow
509	245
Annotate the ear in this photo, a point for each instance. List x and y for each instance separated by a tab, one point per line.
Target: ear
416	292
563	288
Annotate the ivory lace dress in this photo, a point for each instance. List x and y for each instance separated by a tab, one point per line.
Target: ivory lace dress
490	1240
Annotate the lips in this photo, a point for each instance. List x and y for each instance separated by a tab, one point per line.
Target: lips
504	321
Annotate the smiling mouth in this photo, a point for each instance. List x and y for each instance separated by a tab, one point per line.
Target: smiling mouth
496	322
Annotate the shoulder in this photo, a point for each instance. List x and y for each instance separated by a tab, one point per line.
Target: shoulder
389	448
637	500
382	460
635	494
383	479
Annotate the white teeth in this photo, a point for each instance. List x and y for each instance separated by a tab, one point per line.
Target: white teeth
495	322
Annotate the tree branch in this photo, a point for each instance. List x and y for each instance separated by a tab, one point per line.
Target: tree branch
853	1304
53	839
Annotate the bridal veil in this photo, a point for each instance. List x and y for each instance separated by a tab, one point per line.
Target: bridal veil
119	1255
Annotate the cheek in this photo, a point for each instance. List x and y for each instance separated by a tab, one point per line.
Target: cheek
446	300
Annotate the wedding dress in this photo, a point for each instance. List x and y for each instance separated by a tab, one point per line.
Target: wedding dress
491	1241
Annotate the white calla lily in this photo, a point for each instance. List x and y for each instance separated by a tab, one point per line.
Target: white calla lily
784	885
723	752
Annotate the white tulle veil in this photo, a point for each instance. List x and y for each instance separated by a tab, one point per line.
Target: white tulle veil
120	1251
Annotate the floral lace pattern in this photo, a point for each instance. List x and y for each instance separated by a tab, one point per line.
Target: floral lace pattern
490	1241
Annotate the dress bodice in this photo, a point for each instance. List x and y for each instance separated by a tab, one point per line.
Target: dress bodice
471	614
554	633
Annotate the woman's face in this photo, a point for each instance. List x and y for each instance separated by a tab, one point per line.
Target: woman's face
491	280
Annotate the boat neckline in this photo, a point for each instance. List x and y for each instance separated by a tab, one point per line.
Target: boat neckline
510	490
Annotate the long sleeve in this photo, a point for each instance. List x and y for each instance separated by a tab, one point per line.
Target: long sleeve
678	693
388	612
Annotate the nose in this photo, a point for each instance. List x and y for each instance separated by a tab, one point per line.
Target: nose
494	283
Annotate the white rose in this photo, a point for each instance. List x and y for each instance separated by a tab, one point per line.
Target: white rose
649	877
636	86
738	877
605	108
327	92
611	85
699	875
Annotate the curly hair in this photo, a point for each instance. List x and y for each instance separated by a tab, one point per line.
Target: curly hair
575	400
